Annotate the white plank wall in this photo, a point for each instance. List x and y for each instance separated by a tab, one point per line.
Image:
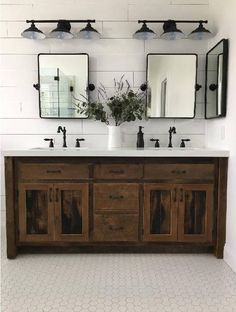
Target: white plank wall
115	54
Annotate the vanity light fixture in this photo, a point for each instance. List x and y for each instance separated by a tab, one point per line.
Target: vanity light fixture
62	31
171	32
33	33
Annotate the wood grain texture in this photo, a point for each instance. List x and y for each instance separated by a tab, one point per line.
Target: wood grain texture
117	171
116	197
179	171
11	225
114	227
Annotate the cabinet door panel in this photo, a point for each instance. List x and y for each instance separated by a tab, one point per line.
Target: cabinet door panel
160	207
35	212
195	217
71	211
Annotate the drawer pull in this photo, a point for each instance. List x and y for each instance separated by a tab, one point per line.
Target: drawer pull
175	195
57	195
54	171
116	228
50	195
116	197
178	171
181	195
117	171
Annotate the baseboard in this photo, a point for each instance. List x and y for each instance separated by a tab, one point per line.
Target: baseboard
230	257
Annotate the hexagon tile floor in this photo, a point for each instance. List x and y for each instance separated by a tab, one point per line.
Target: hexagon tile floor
116	283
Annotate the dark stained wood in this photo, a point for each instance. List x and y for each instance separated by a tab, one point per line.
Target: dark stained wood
36	212
118	226
115	227
195	213
71	211
160	212
53	171
118	171
116	197
10	209
221	208
179	171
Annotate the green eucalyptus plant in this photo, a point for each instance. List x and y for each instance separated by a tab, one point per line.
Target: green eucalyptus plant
124	105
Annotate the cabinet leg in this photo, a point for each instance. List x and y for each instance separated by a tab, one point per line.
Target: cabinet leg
10	209
221	208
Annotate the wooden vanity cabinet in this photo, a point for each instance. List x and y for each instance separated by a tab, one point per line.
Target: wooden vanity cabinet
112	204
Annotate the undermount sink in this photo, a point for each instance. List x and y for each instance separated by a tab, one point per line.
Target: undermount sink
172	148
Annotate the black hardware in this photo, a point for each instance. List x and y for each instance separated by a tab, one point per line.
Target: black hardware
198	87
114	228
182	144
175	195
50	142
63	130
91	87
77	144
172	130
181	195
54	171
213	86
157	144
143	87
56	21
36	86
50	194
116	197
71	89
176	21
178	171
117	171
56	78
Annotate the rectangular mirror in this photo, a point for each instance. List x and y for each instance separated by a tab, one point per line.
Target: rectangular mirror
63	81
171	80
216	80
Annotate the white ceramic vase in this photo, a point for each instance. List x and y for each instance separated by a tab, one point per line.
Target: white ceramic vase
114	137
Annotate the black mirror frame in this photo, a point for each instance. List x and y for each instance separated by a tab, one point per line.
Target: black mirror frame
37	86
224	78
196	84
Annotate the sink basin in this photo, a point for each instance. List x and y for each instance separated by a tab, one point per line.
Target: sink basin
59	148
172	148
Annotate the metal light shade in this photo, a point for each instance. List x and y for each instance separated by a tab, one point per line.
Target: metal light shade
62	31
171	32
144	33
89	33
33	33
200	33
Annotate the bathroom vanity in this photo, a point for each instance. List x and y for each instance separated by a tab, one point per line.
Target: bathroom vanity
124	200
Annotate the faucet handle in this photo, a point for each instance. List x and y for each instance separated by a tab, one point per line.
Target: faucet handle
51	144
157	144
77	144
182	144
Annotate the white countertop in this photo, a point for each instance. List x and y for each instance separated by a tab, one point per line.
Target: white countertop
118	152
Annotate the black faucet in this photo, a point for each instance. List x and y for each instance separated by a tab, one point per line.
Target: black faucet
171	131
182	144
63	130
77	144
157	144
51	144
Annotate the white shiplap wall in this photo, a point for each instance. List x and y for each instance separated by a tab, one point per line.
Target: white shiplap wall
115	54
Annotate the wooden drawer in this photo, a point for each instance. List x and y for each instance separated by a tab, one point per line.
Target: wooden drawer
118	171
113	227
53	171
179	171
113	197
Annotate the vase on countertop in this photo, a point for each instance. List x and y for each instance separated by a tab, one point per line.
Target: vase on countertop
114	137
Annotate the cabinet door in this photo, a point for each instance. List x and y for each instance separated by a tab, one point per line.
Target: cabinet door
160	212
195	213
35	212
71	211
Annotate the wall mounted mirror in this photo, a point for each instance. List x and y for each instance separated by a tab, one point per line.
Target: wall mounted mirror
63	81
216	80
171	81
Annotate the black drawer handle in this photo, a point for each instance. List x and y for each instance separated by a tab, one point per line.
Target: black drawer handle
116	228
53	171
178	171
116	197
117	171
